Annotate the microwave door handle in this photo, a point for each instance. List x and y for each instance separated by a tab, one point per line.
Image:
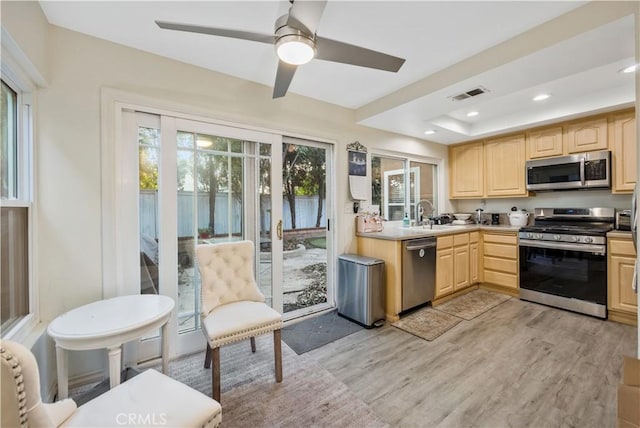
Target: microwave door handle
582	175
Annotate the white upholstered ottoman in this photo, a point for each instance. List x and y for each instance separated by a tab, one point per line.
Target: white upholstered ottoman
149	399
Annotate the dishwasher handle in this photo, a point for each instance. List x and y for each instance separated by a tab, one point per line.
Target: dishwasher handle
421	245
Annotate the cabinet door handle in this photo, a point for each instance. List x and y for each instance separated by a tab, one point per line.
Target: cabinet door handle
634	281
279	230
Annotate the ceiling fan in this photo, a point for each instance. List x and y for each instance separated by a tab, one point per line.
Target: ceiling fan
296	43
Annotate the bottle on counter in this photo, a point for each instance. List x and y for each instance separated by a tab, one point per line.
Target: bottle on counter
405	220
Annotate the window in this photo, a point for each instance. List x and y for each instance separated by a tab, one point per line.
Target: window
9	153
15	205
389	189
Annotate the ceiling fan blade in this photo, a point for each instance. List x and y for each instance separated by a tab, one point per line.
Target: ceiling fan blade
283	78
306	14
223	32
332	50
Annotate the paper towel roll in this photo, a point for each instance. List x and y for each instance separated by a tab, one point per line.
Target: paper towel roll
358	187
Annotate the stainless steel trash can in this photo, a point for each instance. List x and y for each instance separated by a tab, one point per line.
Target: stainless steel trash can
361	289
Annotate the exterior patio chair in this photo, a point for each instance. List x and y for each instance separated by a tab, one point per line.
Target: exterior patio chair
232	306
148	399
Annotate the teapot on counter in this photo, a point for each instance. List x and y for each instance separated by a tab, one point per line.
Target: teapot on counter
518	218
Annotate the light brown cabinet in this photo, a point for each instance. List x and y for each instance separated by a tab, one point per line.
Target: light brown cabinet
457	262
622	301
474	257
444	266
496	167
624	153
466	175
505	166
460	261
500	259
544	143
587	136
391	252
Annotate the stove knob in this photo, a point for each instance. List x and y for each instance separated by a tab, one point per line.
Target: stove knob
574	239
538	235
529	235
588	239
556	237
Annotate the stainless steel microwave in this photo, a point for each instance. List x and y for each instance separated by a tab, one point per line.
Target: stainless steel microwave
579	171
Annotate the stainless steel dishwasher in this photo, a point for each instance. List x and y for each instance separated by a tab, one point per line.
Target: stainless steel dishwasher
418	272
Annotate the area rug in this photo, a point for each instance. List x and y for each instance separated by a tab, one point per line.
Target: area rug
307	396
427	323
472	304
314	332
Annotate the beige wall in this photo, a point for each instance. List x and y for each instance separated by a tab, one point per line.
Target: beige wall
68	144
26	24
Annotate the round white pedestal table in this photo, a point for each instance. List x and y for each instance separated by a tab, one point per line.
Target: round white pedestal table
109	324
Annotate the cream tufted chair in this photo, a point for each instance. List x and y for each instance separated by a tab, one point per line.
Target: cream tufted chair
148	399
232	306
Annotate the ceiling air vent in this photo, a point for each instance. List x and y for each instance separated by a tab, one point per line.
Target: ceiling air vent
470	93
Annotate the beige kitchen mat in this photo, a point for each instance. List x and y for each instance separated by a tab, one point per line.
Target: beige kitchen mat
472	304
427	323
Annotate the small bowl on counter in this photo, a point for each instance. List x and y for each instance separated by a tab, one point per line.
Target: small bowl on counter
462	216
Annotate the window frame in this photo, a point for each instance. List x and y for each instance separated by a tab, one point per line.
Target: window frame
26	328
408	169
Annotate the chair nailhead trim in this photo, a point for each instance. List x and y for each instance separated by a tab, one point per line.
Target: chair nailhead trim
14	364
241	335
210	419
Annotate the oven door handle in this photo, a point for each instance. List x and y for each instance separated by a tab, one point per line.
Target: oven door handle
583	248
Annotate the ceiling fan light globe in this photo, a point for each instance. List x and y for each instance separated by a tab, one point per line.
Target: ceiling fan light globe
295	49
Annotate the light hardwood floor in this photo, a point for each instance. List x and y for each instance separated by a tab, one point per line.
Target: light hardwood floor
518	365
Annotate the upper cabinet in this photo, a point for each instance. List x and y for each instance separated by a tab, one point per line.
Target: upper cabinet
505	166
544	143
625	149
587	136
466	171
496	167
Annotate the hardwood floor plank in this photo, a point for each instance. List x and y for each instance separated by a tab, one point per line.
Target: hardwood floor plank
519	365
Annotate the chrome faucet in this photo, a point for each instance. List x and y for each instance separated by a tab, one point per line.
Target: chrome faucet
420	211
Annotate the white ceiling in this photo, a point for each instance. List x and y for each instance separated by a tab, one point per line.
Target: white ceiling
514	49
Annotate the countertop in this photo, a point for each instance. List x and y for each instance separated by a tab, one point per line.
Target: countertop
399	233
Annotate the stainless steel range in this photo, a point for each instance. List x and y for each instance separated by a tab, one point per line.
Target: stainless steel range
563	259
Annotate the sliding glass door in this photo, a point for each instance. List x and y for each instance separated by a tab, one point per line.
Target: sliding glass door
198	183
305	229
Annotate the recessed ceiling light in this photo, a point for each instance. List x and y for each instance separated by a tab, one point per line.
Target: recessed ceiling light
429	132
630	69
472	113
541	97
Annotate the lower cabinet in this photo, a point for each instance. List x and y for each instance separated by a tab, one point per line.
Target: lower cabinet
622	301
500	259
444	266
474	257
457	262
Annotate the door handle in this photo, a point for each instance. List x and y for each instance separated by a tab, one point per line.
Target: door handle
634	281
279	230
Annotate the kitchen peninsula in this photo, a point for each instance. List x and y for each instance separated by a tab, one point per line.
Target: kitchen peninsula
466	256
